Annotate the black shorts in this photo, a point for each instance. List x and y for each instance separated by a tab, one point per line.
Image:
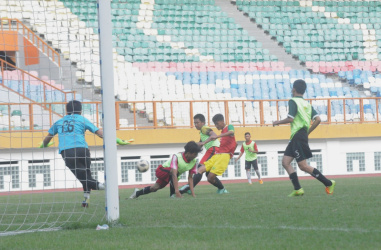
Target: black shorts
298	147
254	163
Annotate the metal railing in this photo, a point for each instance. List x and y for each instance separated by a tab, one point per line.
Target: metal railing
25	74
17	25
265	112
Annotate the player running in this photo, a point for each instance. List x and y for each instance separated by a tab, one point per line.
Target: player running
73	147
171	170
210	146
250	149
300	115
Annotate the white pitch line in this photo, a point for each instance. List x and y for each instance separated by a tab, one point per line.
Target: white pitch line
30	231
284	227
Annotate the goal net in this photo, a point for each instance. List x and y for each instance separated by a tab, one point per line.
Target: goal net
49	55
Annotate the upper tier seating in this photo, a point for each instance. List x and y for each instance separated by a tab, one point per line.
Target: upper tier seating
326	31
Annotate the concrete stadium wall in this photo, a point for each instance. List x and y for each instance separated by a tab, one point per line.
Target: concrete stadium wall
44	169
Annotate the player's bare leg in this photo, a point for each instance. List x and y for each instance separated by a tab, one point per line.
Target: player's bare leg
305	167
286	163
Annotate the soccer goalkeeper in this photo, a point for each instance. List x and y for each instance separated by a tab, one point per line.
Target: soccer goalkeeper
73	147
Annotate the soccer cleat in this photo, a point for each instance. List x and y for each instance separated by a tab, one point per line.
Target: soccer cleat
133	195
260	182
250	183
184	187
85	203
329	190
189	192
299	192
222	191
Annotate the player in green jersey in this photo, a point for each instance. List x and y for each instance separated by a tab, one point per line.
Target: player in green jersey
250	149
171	170
300	115
211	147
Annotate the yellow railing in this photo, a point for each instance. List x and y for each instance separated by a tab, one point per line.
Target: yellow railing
15	24
136	113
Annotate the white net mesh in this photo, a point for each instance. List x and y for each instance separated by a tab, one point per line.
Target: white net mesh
48	56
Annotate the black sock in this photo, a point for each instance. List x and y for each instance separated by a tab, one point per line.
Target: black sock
145	190
196	179
217	183
295	181
316	173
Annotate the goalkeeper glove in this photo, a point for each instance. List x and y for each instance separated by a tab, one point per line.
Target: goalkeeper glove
49	144
123	142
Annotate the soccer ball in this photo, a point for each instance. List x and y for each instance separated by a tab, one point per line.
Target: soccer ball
142	165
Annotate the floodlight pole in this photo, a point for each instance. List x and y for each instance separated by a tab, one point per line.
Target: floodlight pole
108	109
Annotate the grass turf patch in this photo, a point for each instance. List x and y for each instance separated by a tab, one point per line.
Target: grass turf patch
250	216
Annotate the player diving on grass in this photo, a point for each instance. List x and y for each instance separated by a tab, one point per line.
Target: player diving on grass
73	147
250	149
300	115
211	146
171	170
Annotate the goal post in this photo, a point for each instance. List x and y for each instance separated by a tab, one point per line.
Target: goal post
108	102
52	52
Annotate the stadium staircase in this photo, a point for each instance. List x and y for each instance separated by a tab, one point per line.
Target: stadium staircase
260	36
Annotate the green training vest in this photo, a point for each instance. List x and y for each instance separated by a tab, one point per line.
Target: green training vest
215	143
302	119
249	156
182	166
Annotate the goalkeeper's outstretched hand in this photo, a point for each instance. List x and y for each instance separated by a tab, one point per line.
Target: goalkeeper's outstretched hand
123	142
42	144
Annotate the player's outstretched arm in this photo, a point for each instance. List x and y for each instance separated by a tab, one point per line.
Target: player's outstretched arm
99	133
229	133
47	141
212	136
175	182
284	121
316	123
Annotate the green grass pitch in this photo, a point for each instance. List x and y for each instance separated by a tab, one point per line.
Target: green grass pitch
250	217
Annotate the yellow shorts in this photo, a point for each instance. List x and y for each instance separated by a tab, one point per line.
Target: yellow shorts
217	164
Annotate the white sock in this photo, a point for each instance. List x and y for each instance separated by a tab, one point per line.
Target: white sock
86	195
101	186
248	175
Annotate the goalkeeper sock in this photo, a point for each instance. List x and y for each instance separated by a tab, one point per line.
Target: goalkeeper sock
86	195
316	173
145	190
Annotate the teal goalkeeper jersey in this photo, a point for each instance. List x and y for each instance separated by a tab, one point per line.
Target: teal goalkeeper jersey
71	131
